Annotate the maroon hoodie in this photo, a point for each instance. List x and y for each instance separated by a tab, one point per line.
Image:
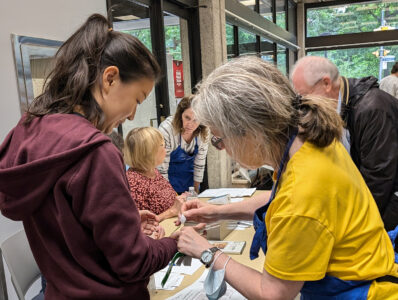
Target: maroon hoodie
65	180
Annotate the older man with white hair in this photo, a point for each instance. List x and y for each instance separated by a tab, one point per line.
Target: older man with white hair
371	126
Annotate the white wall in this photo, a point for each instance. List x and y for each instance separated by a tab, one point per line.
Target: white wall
50	19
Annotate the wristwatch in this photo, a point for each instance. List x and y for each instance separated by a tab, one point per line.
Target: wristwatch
207	256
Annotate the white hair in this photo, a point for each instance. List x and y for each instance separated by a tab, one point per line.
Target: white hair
315	68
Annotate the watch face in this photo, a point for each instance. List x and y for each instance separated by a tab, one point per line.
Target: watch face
207	256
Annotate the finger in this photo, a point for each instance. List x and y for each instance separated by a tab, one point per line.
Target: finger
189	205
193	215
175	235
200	226
149	214
147	232
152	221
150	227
161	232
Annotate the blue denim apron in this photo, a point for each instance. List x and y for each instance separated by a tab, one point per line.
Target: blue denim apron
328	288
181	168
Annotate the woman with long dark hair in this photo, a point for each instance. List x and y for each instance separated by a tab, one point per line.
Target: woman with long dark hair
66	181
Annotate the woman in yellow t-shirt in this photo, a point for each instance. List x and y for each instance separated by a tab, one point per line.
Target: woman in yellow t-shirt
320	229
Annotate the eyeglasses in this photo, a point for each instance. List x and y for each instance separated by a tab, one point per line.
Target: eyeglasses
217	142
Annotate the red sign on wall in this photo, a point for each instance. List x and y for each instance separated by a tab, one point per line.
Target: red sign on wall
178	79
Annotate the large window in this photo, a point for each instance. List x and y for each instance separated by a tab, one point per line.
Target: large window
133	18
266	9
247	43
244	39
281	13
359	37
229	30
267	50
169	30
352	18
281	59
361	62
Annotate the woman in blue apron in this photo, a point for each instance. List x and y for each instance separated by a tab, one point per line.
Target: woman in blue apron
319	228
186	143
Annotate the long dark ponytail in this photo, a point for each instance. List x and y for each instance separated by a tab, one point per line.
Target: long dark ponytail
79	64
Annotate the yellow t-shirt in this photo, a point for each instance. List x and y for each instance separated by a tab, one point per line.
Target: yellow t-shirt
324	220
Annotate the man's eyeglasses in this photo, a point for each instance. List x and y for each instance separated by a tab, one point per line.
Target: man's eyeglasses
217	142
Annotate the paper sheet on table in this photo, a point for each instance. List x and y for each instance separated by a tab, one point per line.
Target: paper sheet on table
233	192
173	281
187	270
196	292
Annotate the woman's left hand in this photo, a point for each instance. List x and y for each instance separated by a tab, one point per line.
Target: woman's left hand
149	221
190	242
158	233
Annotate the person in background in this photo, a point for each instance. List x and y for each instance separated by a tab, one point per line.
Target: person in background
370	118
320	230
65	180
389	83
144	150
186	143
117	140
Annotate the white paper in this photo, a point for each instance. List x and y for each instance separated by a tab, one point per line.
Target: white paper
233	192
172	282
196	292
187	270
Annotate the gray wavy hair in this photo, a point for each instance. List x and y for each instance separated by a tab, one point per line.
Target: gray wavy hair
248	96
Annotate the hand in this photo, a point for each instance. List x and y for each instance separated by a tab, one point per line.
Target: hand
190	242
183	197
158	233
178	202
149	221
200	212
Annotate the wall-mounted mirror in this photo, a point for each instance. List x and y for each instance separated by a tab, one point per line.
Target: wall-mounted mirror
33	62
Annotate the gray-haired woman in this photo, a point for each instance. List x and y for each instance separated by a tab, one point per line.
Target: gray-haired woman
320	230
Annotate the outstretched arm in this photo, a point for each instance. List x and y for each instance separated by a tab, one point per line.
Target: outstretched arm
198	211
250	283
